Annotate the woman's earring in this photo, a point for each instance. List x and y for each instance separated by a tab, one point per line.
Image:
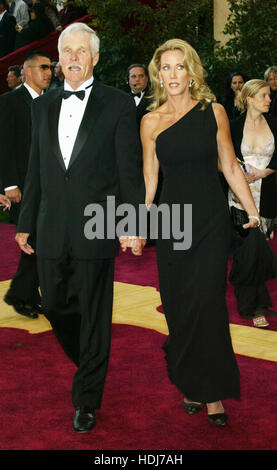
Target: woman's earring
161	84
190	83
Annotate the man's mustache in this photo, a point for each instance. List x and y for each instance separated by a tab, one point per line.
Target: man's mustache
74	66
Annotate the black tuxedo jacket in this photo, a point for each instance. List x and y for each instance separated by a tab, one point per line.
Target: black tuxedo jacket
106	161
268	201
15	136
7	34
142	107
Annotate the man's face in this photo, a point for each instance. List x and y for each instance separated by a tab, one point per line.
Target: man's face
76	58
12	80
137	79
38	73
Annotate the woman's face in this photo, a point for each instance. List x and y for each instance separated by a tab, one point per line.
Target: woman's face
261	101
272	81
237	83
173	73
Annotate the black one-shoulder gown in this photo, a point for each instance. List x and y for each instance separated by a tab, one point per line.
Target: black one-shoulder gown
199	352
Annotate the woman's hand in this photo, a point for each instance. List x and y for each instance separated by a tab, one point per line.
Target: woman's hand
4	201
254	222
135	243
254	174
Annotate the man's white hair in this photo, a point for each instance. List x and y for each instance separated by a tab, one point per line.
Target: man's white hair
81	27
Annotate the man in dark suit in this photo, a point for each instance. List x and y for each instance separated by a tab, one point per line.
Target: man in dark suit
15	137
7	29
137	79
85	149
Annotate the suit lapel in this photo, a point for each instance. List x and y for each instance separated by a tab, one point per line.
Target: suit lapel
53	123
26	95
92	111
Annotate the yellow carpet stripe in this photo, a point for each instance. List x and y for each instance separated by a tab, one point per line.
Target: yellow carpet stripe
137	305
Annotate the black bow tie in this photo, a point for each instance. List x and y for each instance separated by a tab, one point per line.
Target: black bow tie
136	94
80	94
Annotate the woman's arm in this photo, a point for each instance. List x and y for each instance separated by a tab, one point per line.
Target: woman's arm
150	161
230	166
257	174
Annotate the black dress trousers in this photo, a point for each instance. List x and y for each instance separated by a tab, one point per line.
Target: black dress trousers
77	298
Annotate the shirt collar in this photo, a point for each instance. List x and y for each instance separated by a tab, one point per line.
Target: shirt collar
32	92
84	85
2	14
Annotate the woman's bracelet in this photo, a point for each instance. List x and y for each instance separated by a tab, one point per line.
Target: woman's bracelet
256	218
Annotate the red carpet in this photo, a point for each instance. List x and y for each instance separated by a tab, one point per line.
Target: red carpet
141	409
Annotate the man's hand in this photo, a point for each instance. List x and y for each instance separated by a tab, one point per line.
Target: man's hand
4	201
21	239
13	194
135	243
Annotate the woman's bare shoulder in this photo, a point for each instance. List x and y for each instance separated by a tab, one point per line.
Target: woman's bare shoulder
150	123
218	108
151	118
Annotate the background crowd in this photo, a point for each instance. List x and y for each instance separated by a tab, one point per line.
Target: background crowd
25	21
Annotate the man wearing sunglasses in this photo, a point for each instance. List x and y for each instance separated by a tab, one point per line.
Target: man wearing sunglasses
15	137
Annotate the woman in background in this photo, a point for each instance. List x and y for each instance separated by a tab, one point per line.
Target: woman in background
270	77
254	139
234	85
39	27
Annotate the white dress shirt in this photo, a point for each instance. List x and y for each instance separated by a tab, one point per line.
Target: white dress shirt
71	115
2	14
138	99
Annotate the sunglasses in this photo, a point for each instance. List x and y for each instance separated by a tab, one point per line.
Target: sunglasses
42	66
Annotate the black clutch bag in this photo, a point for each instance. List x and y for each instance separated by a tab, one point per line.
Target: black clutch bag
239	218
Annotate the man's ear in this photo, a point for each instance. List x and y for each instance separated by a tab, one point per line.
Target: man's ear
95	59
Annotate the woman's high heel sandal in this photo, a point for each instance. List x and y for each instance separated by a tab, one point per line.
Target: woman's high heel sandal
219	419
192	408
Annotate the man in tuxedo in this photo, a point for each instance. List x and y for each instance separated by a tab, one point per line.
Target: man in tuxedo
7	29
137	79
15	137
85	148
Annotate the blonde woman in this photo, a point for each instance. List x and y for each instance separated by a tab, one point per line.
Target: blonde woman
254	139
270	77
184	133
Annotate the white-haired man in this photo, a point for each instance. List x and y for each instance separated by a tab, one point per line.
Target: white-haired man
85	147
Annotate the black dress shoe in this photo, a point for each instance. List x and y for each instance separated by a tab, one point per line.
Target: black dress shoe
22	308
192	407
84	420
219	419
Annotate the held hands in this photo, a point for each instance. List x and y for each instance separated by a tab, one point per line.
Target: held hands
21	239
254	222
4	201
13	194
135	243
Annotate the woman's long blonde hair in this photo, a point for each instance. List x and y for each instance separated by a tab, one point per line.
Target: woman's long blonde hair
250	89
199	90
